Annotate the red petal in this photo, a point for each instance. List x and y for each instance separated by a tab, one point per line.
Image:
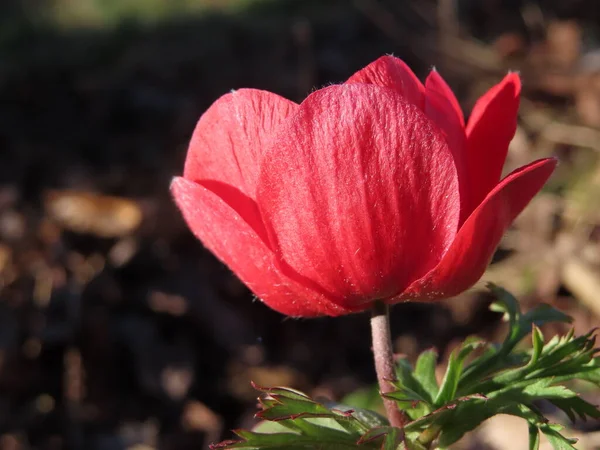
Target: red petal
476	241
359	193
393	73
435	83
225	233
442	107
491	127
228	141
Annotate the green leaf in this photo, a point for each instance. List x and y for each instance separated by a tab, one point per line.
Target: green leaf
425	373
369	418
467	416
404	394
268	427
444	418
389	438
325	428
591	372
293	420
282	392
506	303
537	339
512	379
557	440
534	437
407	380
414	398
576	406
286	405
449	385
543	389
251	440
545	314
520	324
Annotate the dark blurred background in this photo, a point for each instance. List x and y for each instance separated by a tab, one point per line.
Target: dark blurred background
119	331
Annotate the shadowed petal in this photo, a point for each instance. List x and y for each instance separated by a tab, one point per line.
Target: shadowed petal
442	107
476	241
228	140
225	233
360	193
435	83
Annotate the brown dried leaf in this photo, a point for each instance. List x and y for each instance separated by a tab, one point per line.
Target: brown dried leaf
199	417
89	213
587	99
564	43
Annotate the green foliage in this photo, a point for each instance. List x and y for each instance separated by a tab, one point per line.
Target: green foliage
293	421
481	380
507	381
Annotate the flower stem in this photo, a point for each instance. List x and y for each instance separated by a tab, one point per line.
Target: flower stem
384	361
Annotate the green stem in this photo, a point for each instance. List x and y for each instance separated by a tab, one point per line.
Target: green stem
384	361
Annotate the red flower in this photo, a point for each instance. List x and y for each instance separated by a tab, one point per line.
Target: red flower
372	189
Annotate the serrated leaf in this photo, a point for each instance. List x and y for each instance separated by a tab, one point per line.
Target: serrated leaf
276	409
453	373
251	441
566	358
537	339
536	317
557	440
444	414
552	343
369	418
520	324
576	406
466	417
415	400
408	381
326	429
406	395
425	373
268	427
543	389
458	426
283	392
412	406
567	346
545	314
591	372
285	405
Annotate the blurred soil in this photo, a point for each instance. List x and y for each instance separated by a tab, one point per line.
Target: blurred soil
118	331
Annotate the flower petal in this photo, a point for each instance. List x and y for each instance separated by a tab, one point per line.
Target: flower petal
476	241
442	107
359	193
228	140
393	73
435	83
490	129
225	233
